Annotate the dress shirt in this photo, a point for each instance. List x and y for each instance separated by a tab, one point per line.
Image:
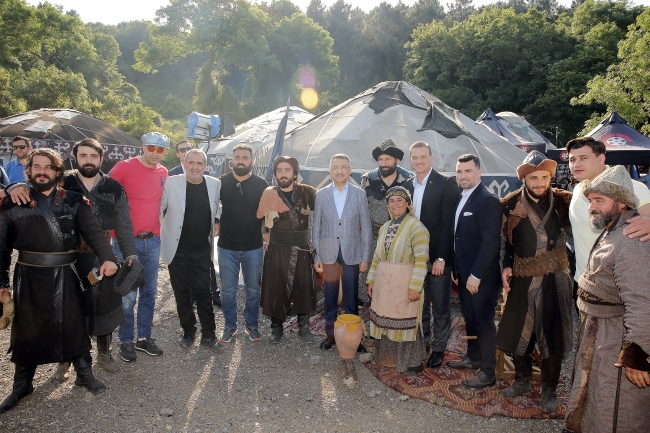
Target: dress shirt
418	192
463	199
339	198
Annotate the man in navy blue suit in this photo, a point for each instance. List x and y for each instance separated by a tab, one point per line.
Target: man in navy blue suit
477	247
181	149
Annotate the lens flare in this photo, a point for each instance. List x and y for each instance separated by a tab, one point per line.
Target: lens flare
309	98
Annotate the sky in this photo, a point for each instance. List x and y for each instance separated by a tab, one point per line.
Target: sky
116	11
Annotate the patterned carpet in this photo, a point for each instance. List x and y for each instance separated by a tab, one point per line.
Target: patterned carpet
442	386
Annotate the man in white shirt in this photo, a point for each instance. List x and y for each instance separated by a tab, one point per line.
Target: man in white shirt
587	161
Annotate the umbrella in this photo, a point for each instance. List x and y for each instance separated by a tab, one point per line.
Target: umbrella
59	129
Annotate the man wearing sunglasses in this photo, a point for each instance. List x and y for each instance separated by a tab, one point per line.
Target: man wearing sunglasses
143	179
181	149
16	167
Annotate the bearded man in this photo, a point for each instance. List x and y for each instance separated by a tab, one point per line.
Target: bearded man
288	282
536	276
50	325
111	208
614	303
376	184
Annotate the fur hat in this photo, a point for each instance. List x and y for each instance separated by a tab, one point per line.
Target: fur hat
387	147
614	183
293	162
536	161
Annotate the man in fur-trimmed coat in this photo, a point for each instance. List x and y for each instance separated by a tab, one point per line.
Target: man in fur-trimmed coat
614	303
536	275
288	281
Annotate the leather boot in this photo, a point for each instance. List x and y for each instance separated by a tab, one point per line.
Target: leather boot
62	372
104	358
551	368
277	328
523	375
303	328
23	377
85	376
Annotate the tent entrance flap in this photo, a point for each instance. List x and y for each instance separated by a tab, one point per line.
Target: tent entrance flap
444	120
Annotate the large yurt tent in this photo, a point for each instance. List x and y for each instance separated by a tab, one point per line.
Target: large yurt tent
515	129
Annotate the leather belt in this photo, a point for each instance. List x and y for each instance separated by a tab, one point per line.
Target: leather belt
291	239
46	260
594	300
144	235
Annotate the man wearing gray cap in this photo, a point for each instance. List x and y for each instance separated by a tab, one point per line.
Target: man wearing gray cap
143	179
614	303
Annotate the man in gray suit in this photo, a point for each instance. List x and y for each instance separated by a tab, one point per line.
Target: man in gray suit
342	237
188	207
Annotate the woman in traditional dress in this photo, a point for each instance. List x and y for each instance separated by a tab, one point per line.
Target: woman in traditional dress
395	280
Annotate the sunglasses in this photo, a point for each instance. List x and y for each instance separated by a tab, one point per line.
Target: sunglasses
156	149
21	147
241	191
184	149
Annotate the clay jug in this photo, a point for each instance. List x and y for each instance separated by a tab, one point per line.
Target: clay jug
348	330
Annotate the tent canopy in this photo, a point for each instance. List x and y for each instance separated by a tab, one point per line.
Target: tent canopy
515	129
624	144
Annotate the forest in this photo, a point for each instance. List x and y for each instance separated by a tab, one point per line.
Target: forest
562	68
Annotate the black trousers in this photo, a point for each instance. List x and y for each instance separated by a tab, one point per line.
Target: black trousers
192	268
437	293
214	287
478	311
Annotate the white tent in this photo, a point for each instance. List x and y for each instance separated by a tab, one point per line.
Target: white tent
406	114
515	129
256	132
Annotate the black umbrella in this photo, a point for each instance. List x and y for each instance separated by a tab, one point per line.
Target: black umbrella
59	129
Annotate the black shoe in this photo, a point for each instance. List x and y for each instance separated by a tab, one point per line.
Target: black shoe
412	370
479	381
187	340
127	352
464	363
435	360
327	343
276	336
23	387
85	376
148	346
362	349
211	343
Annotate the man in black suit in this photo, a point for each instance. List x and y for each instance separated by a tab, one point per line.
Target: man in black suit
434	201
181	149
477	247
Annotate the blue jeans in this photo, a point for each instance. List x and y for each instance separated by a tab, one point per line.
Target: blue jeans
349	277
251	266
148	256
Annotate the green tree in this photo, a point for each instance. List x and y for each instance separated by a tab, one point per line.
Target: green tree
626	85
423	12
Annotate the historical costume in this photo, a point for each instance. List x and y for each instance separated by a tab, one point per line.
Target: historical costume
102	303
614	303
288	280
399	265
538	308
375	187
49	325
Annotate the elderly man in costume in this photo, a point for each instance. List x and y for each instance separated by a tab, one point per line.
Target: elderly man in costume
536	276
395	281
376	183
288	282
50	325
614	303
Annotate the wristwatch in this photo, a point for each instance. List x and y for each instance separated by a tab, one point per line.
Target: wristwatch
440	259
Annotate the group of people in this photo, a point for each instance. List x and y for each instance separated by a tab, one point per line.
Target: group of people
397	241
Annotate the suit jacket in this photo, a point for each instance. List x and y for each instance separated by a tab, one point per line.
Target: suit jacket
172	212
176	170
437	213
478	238
352	232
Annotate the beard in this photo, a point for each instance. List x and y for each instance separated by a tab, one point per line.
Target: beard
388	170
599	220
43	186
89	170
284	182
242	170
537	196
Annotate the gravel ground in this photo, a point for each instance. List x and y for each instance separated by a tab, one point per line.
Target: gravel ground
249	387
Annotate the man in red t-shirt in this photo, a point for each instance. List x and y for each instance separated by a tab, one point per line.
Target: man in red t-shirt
142	178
